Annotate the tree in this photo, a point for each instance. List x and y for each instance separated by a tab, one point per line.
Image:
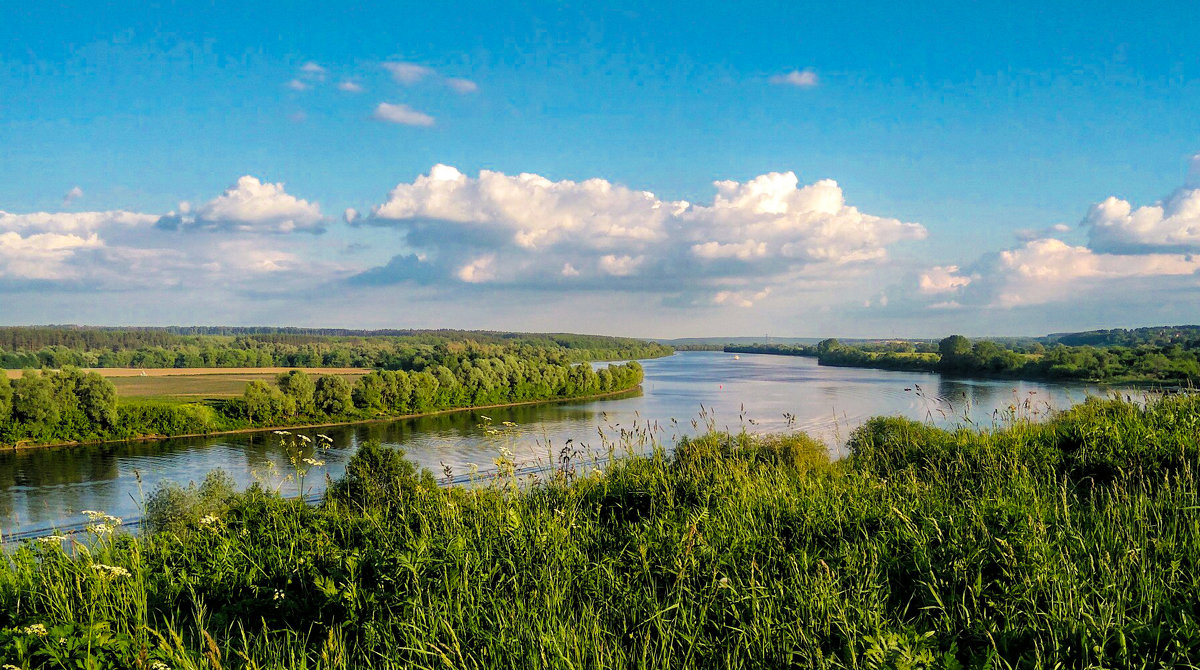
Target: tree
98	399
333	395
826	346
297	385
955	352
33	403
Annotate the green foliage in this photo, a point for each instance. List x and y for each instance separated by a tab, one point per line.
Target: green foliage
59	347
175	508
1071	544
73	406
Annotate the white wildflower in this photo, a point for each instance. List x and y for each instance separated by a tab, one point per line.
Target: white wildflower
52	539
209	519
314	462
159	665
305	438
35	629
110	570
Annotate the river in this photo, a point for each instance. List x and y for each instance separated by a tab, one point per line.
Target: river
681	394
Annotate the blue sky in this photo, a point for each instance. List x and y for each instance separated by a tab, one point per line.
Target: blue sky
959	136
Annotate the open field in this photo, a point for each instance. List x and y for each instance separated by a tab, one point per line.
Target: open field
193	383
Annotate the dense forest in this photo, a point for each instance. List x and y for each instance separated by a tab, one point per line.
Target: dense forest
57	347
70	405
1155	355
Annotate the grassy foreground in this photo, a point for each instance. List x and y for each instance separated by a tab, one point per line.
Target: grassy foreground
1073	543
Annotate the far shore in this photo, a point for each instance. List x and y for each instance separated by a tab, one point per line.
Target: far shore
264	429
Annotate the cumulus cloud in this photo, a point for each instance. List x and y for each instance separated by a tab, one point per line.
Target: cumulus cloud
806	78
350	86
528	230
42	255
297	85
402	114
249	206
942	279
72	195
407	73
1172	224
1049	271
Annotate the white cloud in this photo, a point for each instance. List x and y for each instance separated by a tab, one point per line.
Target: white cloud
772	217
806	78
402	114
535	231
72	195
250	206
942	279
1172	224
297	85
313	70
462	85
479	270
350	86
75	223
1050	271
42	255
407	73
740	298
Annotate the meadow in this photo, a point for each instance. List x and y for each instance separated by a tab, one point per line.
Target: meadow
1071	543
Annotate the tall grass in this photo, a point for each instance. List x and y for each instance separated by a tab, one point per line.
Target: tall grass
1070	543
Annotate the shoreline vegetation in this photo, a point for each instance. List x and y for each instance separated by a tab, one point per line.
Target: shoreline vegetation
1141	360
423	374
1073	542
308	426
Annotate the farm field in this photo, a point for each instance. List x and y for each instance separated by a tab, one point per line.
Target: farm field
197	383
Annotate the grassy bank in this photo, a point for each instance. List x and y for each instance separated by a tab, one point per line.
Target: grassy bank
1074	543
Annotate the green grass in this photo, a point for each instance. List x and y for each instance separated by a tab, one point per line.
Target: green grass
1074	543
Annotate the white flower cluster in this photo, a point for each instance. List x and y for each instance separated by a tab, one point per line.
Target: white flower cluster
110	570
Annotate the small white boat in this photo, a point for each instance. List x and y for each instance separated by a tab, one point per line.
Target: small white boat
736	357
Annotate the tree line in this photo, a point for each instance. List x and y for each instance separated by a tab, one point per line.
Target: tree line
1166	356
70	405
60	347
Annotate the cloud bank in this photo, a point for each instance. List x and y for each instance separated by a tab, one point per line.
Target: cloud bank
529	231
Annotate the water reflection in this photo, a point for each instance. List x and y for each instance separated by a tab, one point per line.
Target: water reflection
49	487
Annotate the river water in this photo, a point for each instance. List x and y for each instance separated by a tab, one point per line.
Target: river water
682	394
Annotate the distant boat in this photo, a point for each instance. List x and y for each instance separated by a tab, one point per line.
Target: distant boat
736	357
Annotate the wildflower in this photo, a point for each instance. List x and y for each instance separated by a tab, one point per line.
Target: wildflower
313	462
326	438
110	570
159	665
279	595
52	539
485	418
100	528
209	519
492	431
509	424
35	629
9	666
102	517
281	432
724	583
305	438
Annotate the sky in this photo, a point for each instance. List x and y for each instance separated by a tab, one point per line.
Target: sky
630	168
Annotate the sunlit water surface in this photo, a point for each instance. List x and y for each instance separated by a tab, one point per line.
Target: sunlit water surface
681	394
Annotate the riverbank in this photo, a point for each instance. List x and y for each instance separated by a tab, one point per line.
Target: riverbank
1036	545
305	426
